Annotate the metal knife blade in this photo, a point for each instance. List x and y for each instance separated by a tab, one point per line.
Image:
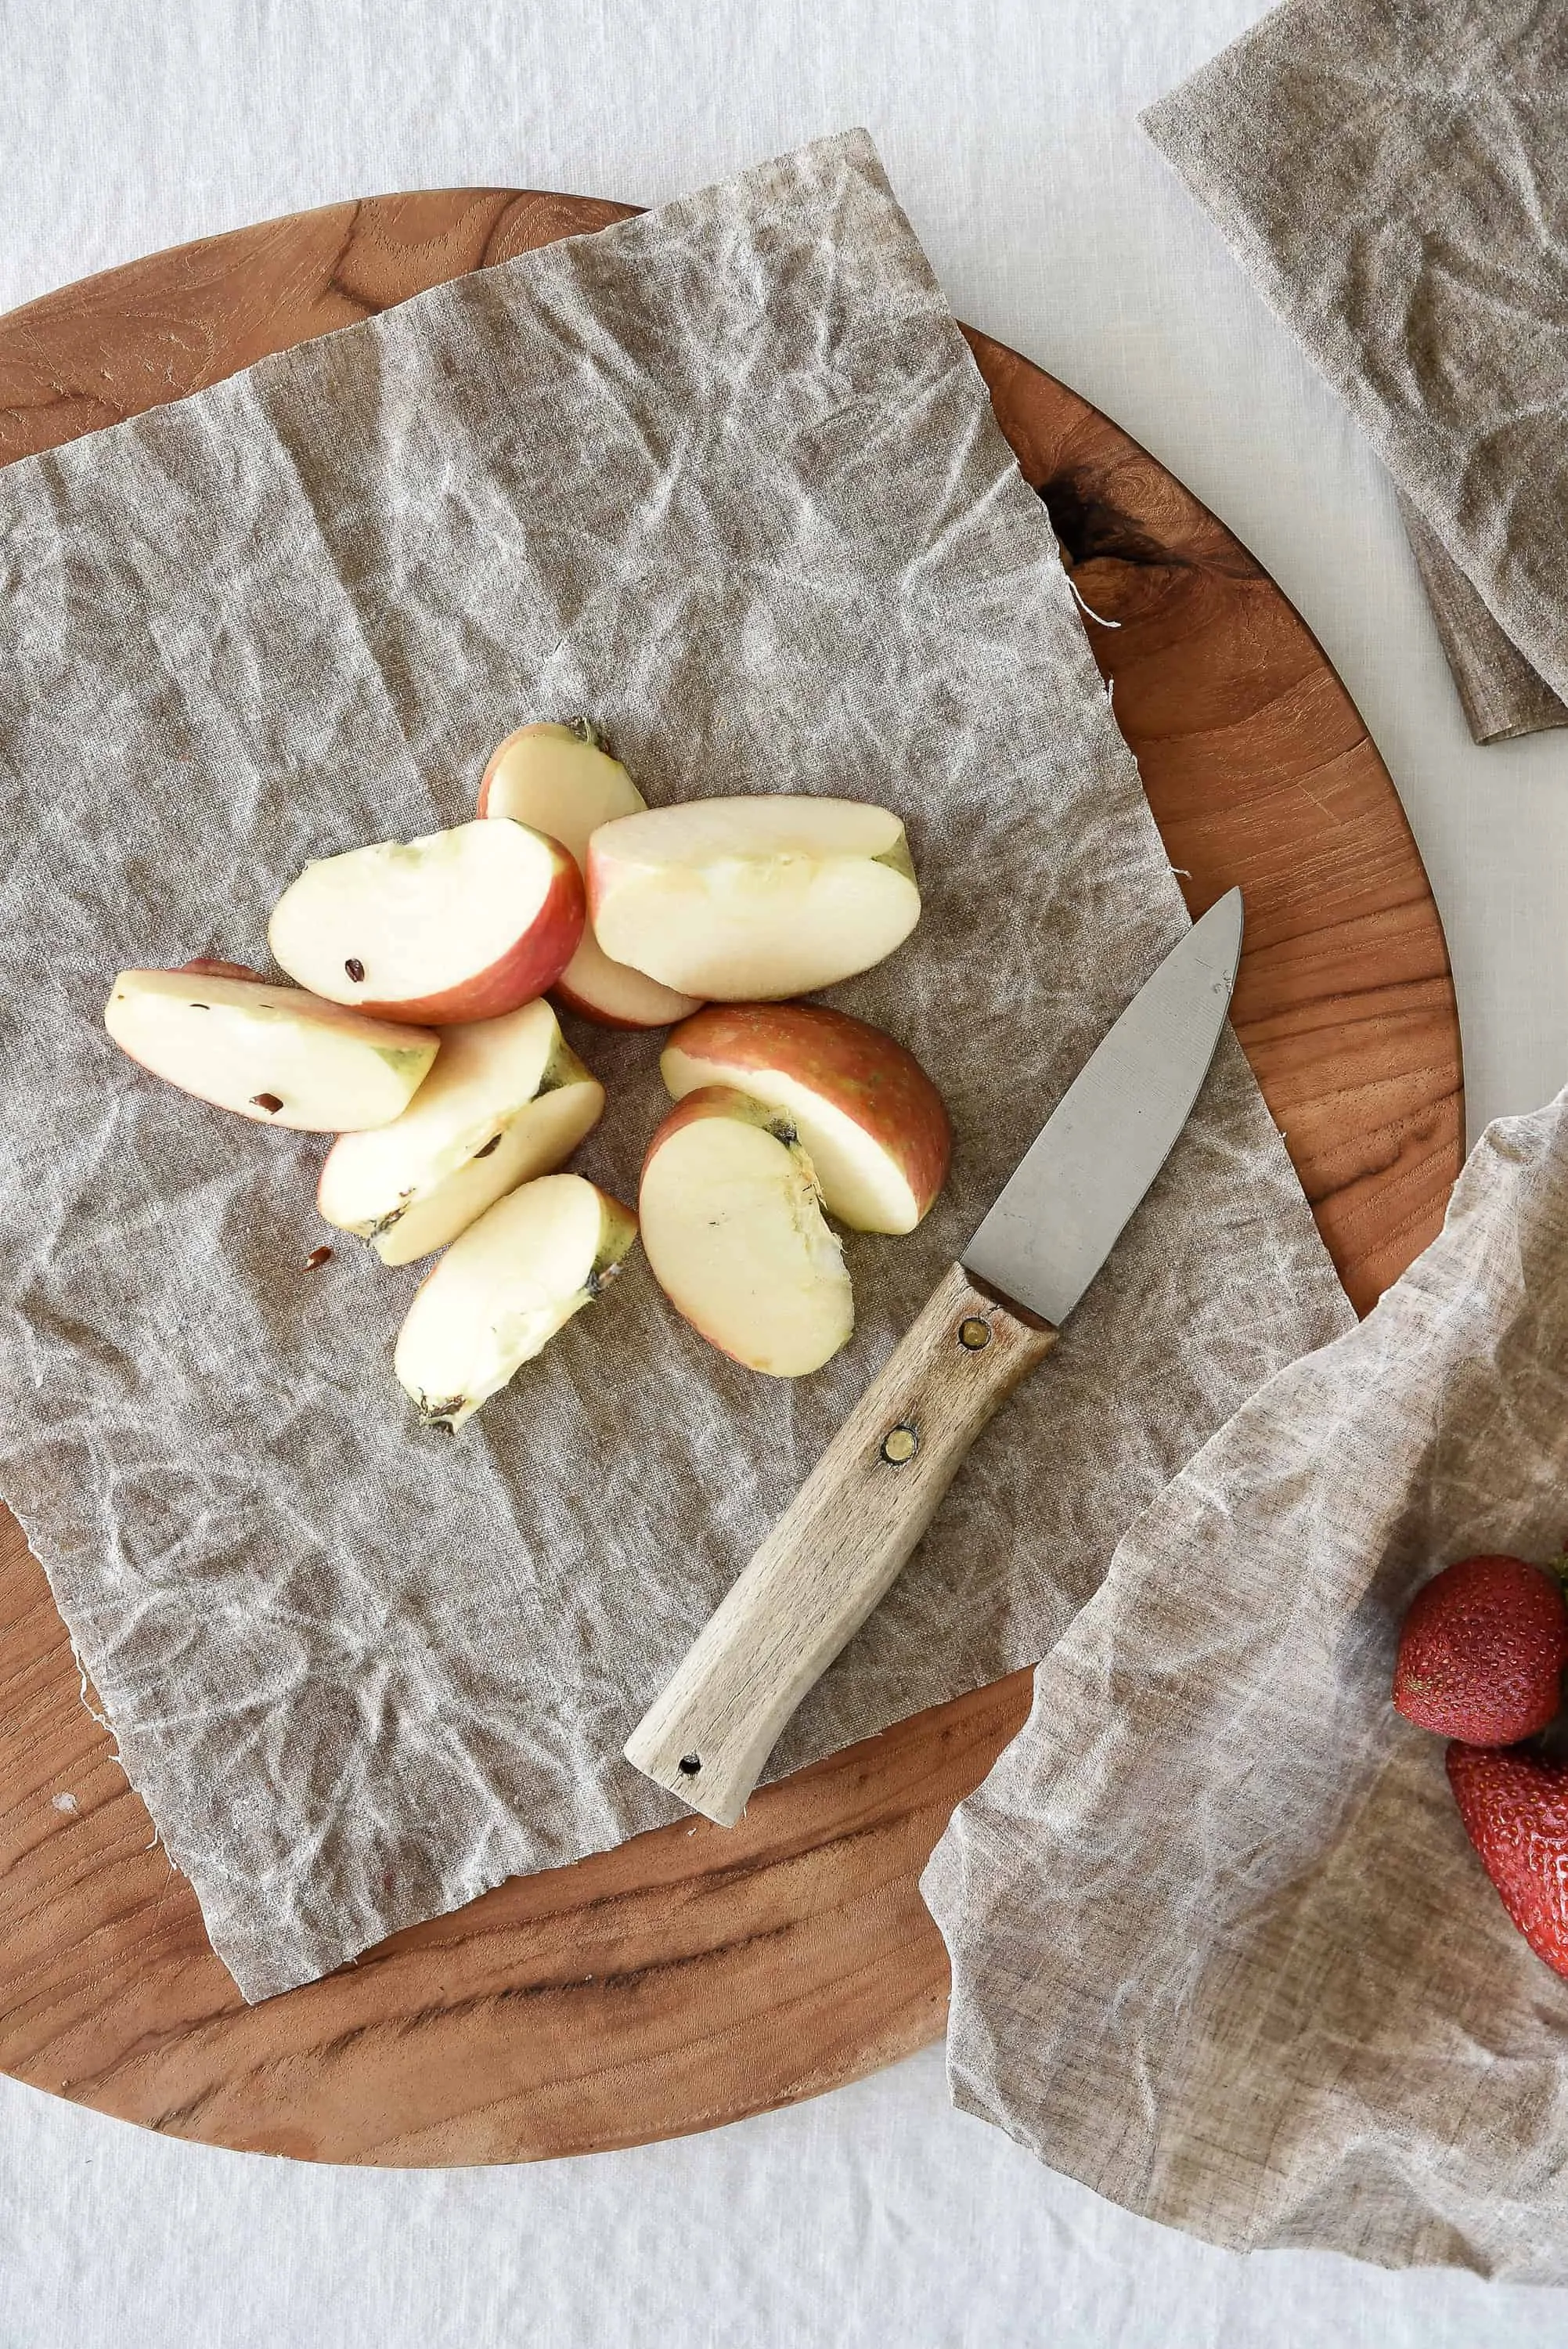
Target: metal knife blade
1069	1198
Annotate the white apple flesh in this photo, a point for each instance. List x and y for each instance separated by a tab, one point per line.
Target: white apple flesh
507	1101
733	1227
562	781
459	924
274	1054
502	1291
869	1117
737	900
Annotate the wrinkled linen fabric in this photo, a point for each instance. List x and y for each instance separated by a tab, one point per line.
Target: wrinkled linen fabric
1393	173
726	479
1221	1947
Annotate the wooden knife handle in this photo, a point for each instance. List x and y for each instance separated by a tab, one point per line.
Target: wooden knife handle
836	1550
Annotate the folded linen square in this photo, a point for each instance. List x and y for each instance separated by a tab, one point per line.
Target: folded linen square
1393	173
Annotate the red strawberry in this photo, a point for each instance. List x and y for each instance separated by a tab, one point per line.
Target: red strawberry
1482	1651
1516	1811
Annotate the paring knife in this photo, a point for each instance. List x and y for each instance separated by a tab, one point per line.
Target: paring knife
838	1546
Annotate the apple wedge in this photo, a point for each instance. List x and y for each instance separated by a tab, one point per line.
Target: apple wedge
508	1100
273	1054
459	924
868	1116
563	781
733	1225
740	899
209	967
502	1290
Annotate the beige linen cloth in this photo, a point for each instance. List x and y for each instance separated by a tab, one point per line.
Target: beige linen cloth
726	479
1393	173
1220	1948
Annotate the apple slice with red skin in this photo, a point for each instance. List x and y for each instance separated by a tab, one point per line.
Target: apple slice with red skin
743	900
734	1230
209	967
274	1054
507	1101
563	781
504	1290
869	1117
457	926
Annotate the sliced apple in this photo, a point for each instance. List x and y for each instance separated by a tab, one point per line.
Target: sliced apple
502	1290
869	1117
733	1225
272	1053
745	899
563	781
457	926
509	1100
209	967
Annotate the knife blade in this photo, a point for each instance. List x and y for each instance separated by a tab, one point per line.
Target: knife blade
838	1548
1073	1191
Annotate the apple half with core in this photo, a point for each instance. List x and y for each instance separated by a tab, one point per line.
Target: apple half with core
733	1227
274	1054
869	1117
508	1100
740	899
563	781
459	924
502	1291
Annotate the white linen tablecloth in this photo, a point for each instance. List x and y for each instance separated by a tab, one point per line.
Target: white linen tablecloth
875	2216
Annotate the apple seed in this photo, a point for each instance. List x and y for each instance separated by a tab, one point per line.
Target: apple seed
354	968
317	1255
269	1101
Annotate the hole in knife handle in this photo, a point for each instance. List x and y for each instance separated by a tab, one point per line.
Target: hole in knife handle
690	1764
899	1445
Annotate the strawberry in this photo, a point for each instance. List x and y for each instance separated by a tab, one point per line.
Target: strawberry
1515	1812
1482	1651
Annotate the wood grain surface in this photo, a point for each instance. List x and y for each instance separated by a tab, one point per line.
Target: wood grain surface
834	1553
697	1974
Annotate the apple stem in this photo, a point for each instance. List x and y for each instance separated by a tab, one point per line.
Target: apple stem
439	1414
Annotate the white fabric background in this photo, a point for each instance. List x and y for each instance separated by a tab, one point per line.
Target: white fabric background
875	2216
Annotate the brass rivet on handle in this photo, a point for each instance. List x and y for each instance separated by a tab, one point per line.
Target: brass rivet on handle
899	1445
974	1333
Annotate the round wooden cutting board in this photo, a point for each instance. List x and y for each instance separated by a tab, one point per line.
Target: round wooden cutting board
695	1975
